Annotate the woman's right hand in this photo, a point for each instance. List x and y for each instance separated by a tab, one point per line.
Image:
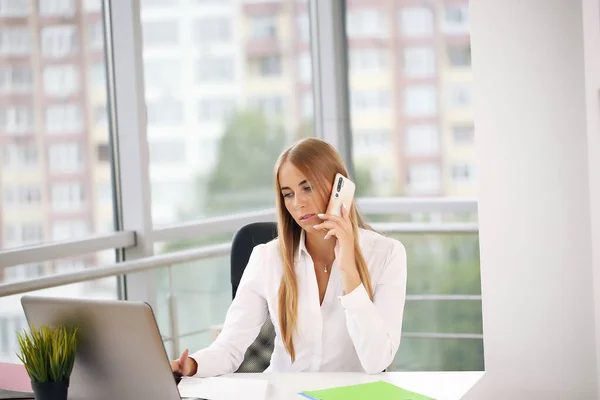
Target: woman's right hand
185	365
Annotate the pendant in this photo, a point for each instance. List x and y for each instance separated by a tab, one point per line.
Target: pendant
325	270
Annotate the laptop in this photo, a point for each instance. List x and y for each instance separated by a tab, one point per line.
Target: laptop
120	353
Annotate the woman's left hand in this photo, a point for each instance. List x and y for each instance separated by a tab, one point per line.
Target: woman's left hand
340	228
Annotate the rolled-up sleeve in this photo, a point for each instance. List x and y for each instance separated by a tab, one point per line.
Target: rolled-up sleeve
375	326
243	321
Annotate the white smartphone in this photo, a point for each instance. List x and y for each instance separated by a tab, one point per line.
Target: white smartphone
342	192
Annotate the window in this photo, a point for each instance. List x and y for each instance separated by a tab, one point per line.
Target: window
103	152
92	5
369	140
59	41
23	234
61	80
165	112
268	105
16	79
14	8
463	173
215	69
263	27
98	75
15	40
104	191
19	156
463	135
67	196
16	120
456	18
460	95
366	23
422	140
217	109
63	8
64	230
96	35
369	100
65	157
367	60
420	101
215	30
22	195
303	25
305	68
267	66
167	152
160	33
164	74
424	178
64	119
459	55
100	115
416	22
22	273
419	62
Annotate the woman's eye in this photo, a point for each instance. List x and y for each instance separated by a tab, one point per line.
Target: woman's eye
287	195
308	188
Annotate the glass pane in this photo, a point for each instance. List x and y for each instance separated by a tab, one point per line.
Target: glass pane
227	85
425	354
12	318
410	94
54	185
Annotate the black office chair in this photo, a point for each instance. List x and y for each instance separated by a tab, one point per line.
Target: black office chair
258	355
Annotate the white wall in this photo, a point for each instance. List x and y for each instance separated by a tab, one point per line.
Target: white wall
534	200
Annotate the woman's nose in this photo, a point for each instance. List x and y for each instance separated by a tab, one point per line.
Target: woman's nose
299	201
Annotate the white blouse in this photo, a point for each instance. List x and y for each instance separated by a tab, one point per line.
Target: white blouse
348	332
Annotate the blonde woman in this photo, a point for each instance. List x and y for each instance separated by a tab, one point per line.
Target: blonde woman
334	289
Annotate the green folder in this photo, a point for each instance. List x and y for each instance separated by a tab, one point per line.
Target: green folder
379	390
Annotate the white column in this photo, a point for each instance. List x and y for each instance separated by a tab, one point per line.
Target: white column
534	200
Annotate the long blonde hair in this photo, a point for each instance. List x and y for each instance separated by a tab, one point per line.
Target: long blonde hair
319	162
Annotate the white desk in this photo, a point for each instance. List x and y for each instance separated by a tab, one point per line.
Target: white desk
439	385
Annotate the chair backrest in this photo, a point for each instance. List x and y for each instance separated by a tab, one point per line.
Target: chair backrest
258	355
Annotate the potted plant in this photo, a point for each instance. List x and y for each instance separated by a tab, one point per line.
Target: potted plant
48	354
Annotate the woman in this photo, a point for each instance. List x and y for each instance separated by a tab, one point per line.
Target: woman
334	289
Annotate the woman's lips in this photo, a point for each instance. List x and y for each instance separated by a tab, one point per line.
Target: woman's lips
307	217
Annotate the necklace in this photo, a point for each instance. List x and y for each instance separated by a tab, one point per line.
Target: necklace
325	270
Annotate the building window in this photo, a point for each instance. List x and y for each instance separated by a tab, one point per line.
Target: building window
456	18
67	196
19	156
16	79
22	273
64	230
22	195
215	69
16	120
215	30
15	8
160	33
59	41
369	100
167	152
163	74
19	235
459	55
263	27
15	40
463	135
303	25
65	158
419	62
416	22
305	68
92	5
463	173
64	119
103	152
367	60
165	112
100	115
424	178
61	80
267	66
268	105
420	101
215	109
98	75
371	140
422	140
62	8
366	23
460	96
96	35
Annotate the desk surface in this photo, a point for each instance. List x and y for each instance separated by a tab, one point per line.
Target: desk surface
439	385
